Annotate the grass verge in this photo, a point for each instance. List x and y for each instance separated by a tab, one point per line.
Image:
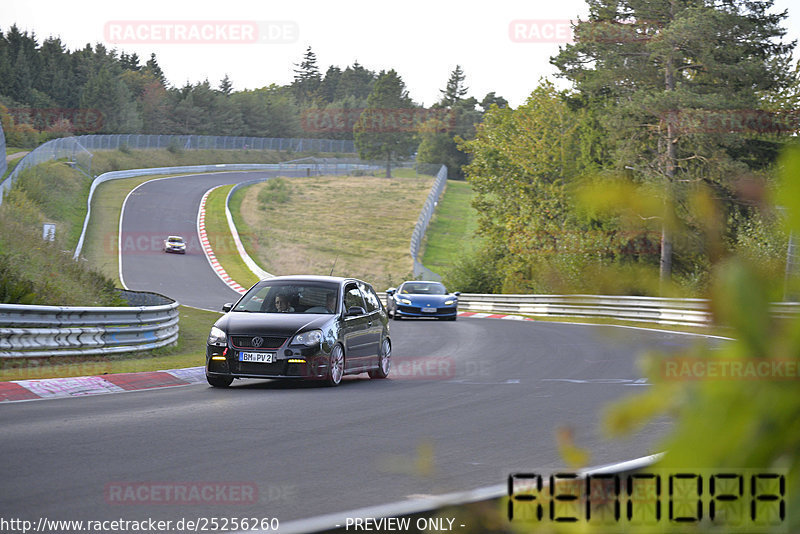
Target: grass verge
10	166
221	241
452	230
363	224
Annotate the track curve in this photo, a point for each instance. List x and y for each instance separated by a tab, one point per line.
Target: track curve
467	403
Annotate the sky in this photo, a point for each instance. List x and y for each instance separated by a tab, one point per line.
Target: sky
503	45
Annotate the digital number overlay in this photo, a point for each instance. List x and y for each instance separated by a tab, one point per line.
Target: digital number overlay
653	500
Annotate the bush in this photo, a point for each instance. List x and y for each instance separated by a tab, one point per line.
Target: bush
274	191
22	136
475	271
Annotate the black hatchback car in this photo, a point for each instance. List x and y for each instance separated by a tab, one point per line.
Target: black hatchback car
313	327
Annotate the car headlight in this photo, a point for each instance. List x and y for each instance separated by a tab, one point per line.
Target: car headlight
217	337
309	339
448	302
405	301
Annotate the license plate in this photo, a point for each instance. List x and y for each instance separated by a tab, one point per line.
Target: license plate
428	309
257	357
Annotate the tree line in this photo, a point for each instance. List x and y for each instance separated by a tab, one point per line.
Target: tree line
50	91
652	166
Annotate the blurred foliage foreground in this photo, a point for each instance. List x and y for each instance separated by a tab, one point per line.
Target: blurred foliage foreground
742	419
750	420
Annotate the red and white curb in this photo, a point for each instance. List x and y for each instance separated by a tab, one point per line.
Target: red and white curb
82	386
481	315
209	252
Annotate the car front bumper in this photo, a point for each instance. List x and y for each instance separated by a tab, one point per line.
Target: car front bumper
290	363
403	310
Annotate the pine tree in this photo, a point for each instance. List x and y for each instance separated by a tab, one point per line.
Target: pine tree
225	86
385	128
152	67
356	81
492	98
455	89
307	78
658	59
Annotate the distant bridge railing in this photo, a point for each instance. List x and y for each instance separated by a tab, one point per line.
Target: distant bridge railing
667	311
52	331
77	150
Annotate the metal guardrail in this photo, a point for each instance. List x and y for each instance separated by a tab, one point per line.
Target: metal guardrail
422	225
667	311
52	331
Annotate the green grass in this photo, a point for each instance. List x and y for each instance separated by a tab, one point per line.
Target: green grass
452	229
61	193
362	223
35	271
11	166
13	150
221	241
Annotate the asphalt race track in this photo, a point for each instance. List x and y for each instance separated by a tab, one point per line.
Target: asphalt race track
467	403
160	208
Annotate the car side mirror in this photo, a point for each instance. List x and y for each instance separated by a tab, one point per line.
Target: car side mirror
228	306
457	293
354	311
391	291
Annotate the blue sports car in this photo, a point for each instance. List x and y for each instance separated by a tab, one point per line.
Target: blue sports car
422	299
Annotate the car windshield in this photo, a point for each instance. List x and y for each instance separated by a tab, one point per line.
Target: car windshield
423	288
290	297
176	240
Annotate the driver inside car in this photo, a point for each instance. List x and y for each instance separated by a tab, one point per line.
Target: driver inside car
282	304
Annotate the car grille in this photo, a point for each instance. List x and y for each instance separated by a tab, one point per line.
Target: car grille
246	342
267	369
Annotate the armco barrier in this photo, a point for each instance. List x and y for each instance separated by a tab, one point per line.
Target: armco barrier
422	225
52	331
667	311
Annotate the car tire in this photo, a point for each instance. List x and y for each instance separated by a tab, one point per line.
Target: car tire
453	318
335	367
396	316
384	361
219	381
